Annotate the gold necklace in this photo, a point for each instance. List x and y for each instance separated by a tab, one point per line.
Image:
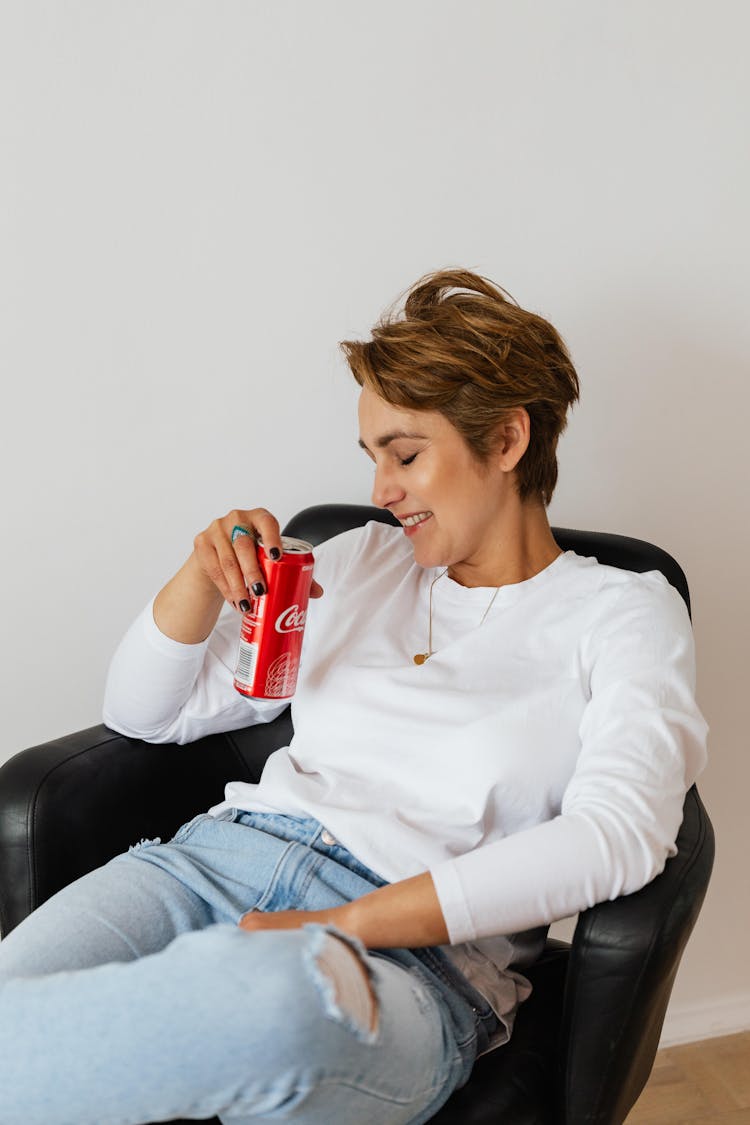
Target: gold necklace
420	657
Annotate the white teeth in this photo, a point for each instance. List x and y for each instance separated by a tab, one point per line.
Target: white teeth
410	521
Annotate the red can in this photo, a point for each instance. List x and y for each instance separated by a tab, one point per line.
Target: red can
272	629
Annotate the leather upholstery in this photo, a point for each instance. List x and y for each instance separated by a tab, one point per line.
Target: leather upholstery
584	1042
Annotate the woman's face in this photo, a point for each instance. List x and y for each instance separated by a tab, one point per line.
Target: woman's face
428	477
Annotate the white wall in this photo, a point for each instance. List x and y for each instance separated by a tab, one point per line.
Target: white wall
199	199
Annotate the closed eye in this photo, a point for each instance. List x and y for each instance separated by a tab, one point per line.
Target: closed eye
408	460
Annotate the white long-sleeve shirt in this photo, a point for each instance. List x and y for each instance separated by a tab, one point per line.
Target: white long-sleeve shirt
536	764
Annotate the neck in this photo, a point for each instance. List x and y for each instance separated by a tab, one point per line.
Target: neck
521	546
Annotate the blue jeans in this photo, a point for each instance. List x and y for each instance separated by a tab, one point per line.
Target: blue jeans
133	996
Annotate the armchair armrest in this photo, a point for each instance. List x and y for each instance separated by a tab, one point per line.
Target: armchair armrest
70	805
623	962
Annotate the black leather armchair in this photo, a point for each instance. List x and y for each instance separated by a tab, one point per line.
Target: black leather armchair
585	1041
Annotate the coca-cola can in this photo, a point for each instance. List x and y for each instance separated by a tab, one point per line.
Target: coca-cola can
272	629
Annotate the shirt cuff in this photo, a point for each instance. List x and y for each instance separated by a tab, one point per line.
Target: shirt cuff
167	646
453	902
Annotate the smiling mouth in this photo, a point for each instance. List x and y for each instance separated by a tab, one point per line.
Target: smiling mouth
413	521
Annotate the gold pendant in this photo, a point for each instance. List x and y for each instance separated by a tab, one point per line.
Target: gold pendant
421	657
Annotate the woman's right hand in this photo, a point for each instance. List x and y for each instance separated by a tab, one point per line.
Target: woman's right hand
189	605
233	567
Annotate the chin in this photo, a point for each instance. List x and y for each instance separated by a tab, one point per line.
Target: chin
428	559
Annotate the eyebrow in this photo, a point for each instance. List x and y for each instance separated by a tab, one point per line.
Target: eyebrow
386	439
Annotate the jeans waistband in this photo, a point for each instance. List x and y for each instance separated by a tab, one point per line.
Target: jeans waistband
309	832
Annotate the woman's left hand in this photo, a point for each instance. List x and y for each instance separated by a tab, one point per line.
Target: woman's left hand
292	919
406	914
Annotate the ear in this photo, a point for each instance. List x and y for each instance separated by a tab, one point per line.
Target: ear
512	438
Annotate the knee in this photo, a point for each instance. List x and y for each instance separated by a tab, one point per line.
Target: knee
340	971
317	976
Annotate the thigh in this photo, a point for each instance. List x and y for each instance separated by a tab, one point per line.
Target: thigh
212	871
251	1027
118	912
404	1073
344	1035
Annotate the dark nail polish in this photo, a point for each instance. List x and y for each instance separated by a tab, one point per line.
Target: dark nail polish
245	605
275	553
258	589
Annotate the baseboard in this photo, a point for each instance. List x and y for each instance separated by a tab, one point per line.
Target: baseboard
685	1023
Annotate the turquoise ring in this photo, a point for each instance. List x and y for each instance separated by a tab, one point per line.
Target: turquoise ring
237	531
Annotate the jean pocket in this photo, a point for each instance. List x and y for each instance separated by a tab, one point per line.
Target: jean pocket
228	816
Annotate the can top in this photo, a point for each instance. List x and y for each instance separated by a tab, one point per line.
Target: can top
295	546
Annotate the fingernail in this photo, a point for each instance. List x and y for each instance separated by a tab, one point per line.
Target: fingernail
275	553
245	605
258	589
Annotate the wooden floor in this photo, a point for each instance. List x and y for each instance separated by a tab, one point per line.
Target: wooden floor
706	1083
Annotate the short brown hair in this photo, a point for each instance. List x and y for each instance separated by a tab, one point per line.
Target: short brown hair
473	355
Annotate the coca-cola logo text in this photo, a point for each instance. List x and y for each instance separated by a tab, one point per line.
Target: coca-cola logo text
292	620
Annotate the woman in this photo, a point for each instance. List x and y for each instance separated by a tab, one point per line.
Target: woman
339	942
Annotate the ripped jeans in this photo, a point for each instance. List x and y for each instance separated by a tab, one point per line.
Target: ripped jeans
132	995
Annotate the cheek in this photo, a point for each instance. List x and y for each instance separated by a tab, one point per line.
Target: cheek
445	484
453	494
421	485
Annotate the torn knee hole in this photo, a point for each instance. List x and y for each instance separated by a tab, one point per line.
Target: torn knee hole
347	985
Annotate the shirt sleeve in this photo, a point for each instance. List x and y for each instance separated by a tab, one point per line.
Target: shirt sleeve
643	743
162	690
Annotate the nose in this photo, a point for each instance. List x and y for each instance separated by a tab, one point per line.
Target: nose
386	490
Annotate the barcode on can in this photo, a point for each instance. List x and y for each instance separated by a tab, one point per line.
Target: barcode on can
247	658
